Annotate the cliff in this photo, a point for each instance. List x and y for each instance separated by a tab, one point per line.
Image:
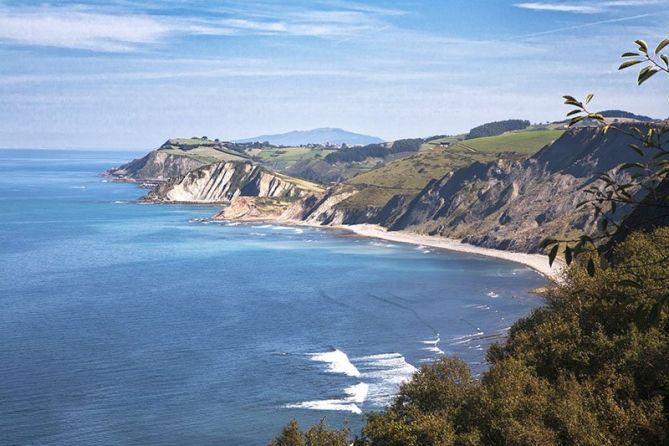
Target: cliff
222	181
174	158
515	205
505	204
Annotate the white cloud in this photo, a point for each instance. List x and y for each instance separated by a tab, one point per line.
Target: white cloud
76	28
560	7
84	28
586	7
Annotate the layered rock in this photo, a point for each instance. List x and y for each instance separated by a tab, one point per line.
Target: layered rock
176	157
515	205
221	182
158	165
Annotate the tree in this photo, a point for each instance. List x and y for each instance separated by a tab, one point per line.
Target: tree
642	186
290	436
317	435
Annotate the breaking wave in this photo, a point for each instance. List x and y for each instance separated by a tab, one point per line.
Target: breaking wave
384	373
337	362
433	345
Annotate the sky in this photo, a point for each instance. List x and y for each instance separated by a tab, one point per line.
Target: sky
129	74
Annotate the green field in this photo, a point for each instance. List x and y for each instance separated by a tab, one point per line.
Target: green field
206	154
524	142
407	176
285	157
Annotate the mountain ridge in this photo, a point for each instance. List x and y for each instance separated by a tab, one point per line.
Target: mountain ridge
321	135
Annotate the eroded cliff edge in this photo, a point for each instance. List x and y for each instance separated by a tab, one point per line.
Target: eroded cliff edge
223	181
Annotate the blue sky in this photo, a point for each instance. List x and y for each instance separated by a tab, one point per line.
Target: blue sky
131	73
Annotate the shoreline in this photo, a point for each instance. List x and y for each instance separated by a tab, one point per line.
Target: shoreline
537	262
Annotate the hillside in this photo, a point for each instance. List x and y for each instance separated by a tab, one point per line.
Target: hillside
514	205
174	158
323	136
509	203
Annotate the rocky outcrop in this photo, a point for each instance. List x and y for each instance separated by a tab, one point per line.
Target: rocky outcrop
253	208
158	165
514	205
221	182
176	157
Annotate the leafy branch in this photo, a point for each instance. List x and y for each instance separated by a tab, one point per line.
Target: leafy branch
632	185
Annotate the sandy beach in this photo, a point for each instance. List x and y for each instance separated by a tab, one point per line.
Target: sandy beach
537	262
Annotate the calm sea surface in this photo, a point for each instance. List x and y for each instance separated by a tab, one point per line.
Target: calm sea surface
123	323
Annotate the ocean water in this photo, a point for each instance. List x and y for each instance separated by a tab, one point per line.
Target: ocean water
124	323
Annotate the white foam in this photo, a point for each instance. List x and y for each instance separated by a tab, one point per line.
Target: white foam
433	345
358	393
458	340
337	361
120	202
338	405
492	294
232	223
262	226
384	373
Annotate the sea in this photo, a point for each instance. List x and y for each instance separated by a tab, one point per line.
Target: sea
145	324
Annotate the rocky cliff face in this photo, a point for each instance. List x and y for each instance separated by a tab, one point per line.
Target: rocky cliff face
515	205
506	204
221	182
158	165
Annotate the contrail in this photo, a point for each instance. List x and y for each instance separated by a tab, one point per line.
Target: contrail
584	25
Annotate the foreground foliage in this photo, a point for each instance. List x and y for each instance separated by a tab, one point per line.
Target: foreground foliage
579	371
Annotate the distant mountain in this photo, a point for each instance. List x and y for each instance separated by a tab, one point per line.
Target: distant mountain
315	136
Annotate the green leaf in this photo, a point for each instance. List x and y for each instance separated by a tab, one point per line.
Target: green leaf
665	59
589	98
626	166
568	255
547	242
573	112
553	254
630	55
591	267
576	120
643	46
629	63
661	45
646	74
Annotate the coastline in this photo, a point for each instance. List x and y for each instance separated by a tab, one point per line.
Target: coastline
537	262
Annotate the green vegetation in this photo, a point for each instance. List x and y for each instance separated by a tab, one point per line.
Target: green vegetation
407	176
206	154
526	142
285	157
318	435
497	128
